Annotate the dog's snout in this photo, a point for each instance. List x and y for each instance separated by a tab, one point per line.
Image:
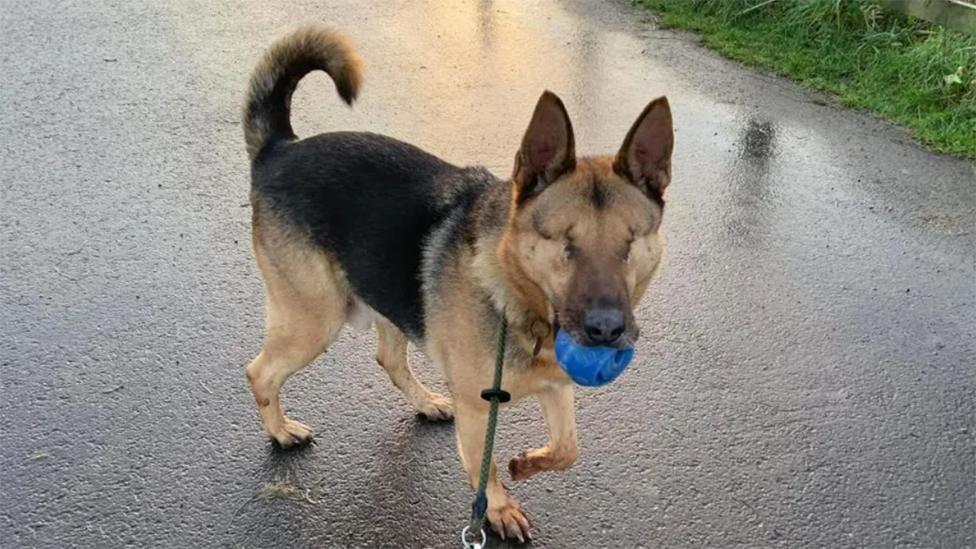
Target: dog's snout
603	325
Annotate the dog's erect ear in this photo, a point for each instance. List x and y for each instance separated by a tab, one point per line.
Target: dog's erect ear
645	157
548	150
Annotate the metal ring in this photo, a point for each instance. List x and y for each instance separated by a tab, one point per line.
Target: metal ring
469	544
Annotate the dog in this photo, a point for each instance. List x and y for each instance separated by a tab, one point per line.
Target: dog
362	229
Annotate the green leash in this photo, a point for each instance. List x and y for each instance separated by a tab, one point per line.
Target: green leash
494	396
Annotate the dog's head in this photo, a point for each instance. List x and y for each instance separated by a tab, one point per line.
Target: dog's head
582	239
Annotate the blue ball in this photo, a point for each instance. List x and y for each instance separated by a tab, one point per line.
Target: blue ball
590	366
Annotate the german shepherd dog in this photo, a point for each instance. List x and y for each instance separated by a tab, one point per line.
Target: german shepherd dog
357	228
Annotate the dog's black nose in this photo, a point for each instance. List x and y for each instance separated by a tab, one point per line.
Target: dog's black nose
603	325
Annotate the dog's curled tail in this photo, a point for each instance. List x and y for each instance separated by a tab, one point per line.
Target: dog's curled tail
267	106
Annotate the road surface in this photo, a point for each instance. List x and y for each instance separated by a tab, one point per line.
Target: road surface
806	376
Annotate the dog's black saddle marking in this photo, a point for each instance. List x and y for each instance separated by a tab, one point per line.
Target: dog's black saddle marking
371	201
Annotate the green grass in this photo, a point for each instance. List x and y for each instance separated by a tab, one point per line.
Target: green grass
912	73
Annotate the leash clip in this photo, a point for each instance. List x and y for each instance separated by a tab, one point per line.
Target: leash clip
471	544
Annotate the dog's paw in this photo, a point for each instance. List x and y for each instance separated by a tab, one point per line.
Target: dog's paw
522	466
529	463
436	407
510	521
291	433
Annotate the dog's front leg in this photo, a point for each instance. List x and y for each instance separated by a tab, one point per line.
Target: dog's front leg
504	513
561	451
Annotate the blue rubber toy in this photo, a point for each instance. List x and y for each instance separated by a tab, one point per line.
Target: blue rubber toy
590	366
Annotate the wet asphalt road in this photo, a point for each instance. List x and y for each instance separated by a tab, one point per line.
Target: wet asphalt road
806	376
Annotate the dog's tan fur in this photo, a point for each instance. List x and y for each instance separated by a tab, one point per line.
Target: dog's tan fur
308	301
525	269
576	229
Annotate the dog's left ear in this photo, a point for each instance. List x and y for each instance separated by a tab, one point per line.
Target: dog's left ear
645	157
548	150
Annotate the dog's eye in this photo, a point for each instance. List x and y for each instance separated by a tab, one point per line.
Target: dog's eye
569	252
625	256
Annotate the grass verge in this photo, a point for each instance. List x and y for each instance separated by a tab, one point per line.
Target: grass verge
915	74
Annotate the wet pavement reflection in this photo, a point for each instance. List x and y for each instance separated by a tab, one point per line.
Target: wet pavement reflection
804	379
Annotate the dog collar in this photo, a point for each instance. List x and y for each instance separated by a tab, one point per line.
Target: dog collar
540	330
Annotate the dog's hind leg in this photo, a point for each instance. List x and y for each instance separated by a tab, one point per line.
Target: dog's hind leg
391	354
306	308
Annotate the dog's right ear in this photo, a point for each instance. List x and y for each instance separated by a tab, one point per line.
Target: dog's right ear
645	157
548	150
